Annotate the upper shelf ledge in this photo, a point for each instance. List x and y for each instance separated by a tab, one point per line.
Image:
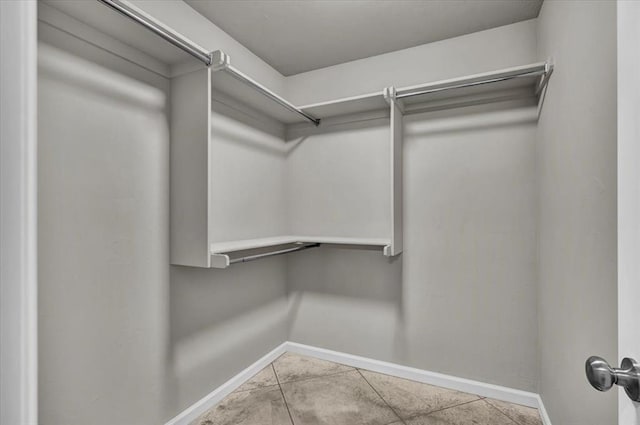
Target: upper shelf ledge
243	245
222	62
522	81
532	78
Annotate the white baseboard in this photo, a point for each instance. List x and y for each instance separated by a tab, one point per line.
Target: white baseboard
438	379
543	412
207	402
482	389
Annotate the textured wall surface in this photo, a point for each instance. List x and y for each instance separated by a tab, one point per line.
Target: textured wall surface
125	338
576	168
493	204
462	297
103	242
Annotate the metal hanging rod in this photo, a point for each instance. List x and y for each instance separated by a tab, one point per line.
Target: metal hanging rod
173	38
218	59
222	62
543	70
273	253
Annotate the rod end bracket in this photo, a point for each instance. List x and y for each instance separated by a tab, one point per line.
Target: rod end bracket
220	60
220	261
390	95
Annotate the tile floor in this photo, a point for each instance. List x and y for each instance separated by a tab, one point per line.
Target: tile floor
299	390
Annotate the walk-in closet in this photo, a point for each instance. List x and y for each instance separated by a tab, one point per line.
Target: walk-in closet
321	212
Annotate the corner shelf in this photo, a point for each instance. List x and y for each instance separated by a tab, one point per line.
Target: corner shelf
243	245
193	163
348	105
527	81
246	90
196	188
226	253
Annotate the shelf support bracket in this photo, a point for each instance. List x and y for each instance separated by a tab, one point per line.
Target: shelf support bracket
544	78
541	88
396	108
390	96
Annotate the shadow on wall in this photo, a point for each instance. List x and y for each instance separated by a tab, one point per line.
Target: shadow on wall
461	298
222	321
109	85
469	119
245	130
103	242
470	243
247	175
348	300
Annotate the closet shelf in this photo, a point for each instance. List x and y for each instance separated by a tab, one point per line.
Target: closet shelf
527	81
223	254
240	86
348	105
523	81
243	245
517	82
194	190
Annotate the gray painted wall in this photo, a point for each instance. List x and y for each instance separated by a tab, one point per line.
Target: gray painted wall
221	322
576	154
103	242
461	299
124	338
119	327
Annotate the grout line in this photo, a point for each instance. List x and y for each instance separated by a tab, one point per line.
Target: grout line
253	389
351	368
382	398
504	413
317	376
444	408
282	392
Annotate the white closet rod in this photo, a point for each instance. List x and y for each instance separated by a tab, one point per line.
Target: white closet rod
173	38
221	61
543	70
273	253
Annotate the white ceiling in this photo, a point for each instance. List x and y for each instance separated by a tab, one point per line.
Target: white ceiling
301	35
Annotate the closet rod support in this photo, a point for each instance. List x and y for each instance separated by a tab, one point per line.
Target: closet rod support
173	38
246	259
222	62
548	70
543	70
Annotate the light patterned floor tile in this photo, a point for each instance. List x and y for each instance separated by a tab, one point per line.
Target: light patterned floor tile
522	415
319	392
411	398
265	378
474	413
294	367
264	406
339	399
